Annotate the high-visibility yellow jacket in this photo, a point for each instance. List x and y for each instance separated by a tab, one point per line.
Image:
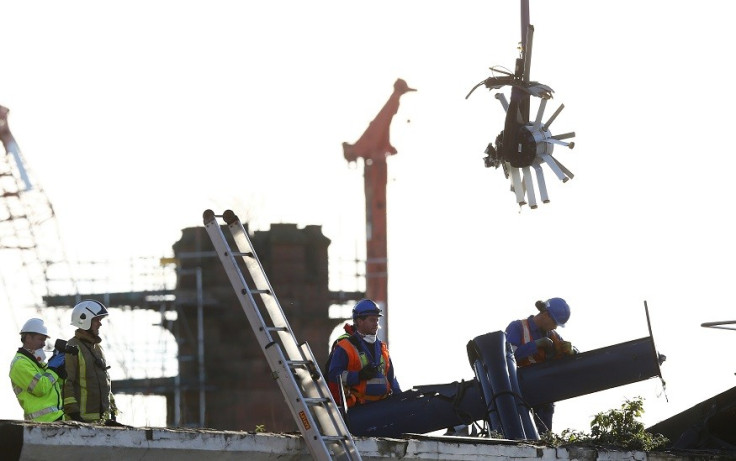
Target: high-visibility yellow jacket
36	387
87	388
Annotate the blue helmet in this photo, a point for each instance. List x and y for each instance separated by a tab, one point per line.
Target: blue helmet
558	310
366	307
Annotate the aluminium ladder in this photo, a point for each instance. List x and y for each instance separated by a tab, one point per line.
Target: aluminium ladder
292	364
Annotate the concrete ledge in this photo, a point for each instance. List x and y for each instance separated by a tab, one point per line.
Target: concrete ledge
81	442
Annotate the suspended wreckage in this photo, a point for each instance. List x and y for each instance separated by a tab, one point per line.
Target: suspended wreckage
525	144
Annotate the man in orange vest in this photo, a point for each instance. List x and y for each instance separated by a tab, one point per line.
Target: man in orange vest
361	361
534	340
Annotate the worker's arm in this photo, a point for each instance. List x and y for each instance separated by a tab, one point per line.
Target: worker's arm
395	388
71	385
30	378
562	347
339	367
514	334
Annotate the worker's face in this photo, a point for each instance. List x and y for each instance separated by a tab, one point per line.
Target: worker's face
547	323
367	325
35	341
95	327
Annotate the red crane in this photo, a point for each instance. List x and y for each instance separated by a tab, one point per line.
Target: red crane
374	147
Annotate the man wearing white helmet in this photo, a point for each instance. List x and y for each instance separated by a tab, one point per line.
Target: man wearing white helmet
36	384
535	340
87	392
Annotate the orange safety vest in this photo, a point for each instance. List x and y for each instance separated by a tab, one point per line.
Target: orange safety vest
356	361
541	355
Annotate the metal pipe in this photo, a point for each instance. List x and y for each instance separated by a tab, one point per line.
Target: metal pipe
524	22
589	372
419	411
491	413
201	377
490	350
434	407
522	407
200	345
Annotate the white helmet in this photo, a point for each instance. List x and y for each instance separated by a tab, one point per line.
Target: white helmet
35	326
85	311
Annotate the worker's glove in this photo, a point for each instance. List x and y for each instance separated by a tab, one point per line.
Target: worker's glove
56	360
545	344
56	363
368	372
75	416
566	348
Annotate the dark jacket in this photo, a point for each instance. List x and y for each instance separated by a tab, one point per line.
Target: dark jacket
87	389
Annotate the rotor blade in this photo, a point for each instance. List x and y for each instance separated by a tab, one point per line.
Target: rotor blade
567	172
504	102
516	185
554	140
553	117
549	160
562	173
540	180
540	113
529	185
714	324
564	135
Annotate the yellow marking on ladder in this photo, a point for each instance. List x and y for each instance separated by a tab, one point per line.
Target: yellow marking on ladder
304	419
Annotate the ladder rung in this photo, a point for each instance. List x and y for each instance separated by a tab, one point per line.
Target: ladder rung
241	253
315	400
335	438
299	363
277	329
260	292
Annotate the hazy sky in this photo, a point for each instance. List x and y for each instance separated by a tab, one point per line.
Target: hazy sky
137	116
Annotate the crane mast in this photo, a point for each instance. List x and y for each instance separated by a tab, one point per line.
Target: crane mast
374	147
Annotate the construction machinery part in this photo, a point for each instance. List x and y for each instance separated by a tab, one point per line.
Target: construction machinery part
374	146
508	413
429	408
707	425
525	143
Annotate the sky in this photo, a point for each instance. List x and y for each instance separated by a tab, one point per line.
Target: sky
134	117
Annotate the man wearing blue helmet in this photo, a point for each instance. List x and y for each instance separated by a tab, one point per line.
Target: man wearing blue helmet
535	340
361	361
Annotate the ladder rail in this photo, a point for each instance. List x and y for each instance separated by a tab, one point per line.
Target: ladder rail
293	365
271	304
260	281
236	277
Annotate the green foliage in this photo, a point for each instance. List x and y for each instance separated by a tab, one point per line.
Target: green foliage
495	435
618	427
568	436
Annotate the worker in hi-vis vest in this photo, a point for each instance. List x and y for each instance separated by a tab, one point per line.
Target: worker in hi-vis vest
36	384
87	391
535	340
361	360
